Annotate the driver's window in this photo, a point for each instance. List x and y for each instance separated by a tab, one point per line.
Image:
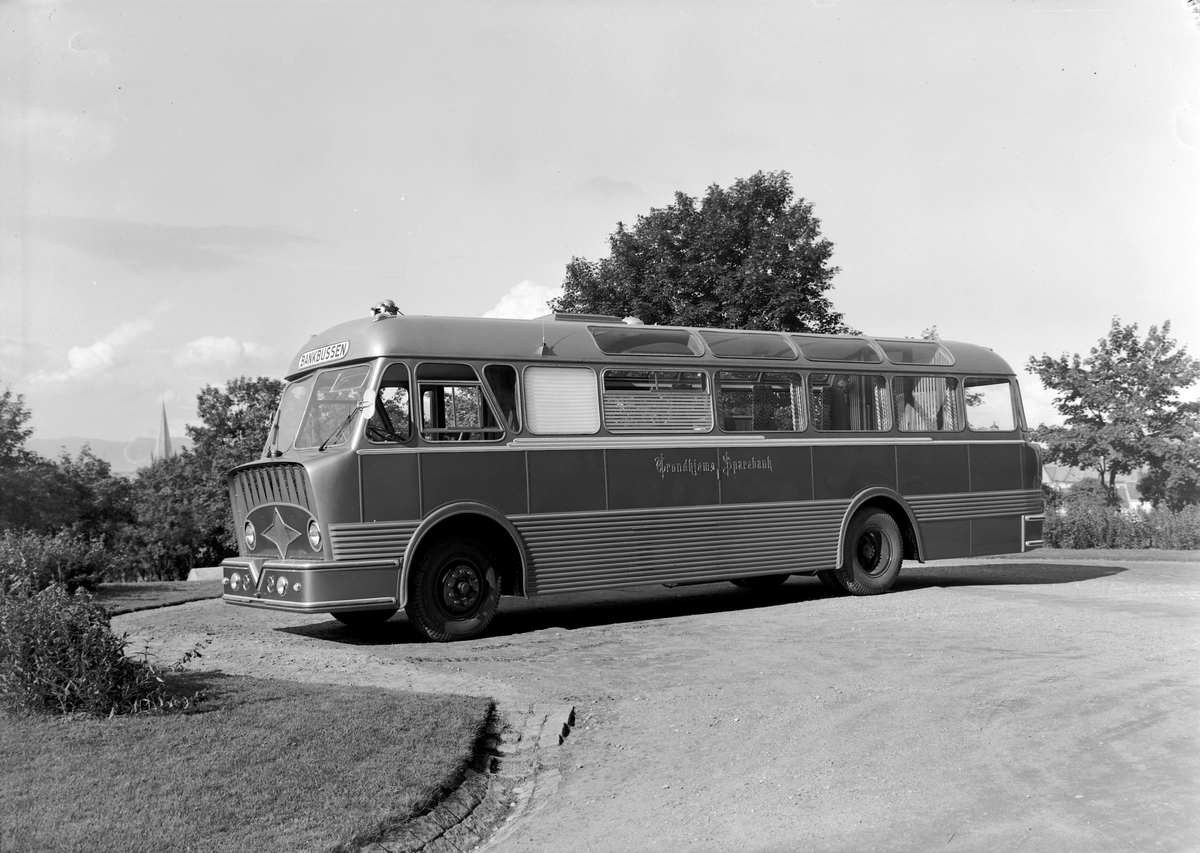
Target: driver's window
392	421
452	405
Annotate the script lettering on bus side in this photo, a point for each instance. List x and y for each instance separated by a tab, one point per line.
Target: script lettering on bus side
320	355
754	463
695	467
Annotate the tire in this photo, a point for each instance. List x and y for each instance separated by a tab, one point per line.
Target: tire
873	553
364	618
829	580
453	591
760	583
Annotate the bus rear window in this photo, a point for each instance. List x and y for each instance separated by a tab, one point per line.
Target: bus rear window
657	401
850	401
989	405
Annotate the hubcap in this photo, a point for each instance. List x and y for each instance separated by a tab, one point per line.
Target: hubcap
461	589
871	552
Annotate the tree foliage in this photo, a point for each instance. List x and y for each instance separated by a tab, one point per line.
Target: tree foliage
1123	411
746	257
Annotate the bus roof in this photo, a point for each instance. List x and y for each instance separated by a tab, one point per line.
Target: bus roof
570	338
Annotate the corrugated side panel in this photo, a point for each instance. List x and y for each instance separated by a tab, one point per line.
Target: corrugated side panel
372	540
980	505
575	551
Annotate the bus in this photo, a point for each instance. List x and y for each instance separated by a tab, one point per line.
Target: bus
435	464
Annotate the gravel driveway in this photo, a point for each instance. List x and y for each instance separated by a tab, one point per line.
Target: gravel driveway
1040	704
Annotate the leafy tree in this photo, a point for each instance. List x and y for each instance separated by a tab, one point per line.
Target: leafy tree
1123	410
746	257
13	432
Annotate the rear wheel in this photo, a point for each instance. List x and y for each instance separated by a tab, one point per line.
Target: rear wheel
454	591
364	618
760	583
873	553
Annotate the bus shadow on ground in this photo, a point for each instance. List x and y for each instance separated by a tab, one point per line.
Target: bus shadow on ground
571	611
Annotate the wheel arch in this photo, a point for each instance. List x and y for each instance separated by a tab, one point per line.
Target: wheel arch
481	522
894	504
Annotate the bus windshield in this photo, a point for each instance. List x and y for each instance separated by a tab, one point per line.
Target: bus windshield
316	411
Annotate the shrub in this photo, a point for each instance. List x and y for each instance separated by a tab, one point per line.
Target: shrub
42	560
1090	526
58	654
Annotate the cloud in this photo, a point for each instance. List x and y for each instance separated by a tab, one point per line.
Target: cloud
225	352
104	354
525	301
141	246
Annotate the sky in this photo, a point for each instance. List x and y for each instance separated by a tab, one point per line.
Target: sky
189	191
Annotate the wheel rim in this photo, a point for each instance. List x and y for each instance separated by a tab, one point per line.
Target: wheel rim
872	552
460	589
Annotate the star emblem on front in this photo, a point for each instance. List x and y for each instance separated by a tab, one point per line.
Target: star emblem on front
281	534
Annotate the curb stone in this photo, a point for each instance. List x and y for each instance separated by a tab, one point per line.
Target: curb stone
513	776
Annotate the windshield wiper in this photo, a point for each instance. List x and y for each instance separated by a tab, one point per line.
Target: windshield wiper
358	408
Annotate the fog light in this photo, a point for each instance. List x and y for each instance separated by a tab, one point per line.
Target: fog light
235	581
251	535
296	586
314	535
281	585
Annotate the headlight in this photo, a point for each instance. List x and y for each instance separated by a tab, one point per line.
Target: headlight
235	581
251	535
281	585
314	535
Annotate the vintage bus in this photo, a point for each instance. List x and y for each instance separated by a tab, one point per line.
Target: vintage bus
435	463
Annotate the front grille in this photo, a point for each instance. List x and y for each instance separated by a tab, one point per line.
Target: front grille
272	483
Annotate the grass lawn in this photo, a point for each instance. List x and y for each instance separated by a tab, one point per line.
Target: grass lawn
128	597
258	765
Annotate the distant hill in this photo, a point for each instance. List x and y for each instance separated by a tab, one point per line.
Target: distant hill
125	457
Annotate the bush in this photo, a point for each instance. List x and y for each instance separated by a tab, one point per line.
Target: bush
58	654
42	560
1090	526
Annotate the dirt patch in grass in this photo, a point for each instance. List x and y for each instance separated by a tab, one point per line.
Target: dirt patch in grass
259	765
129	597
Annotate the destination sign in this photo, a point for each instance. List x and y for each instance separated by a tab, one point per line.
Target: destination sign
320	355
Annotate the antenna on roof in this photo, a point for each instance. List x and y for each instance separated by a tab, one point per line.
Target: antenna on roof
545	349
386	308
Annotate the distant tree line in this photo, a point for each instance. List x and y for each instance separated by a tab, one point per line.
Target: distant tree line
172	516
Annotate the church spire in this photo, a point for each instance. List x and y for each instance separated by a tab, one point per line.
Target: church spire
162	447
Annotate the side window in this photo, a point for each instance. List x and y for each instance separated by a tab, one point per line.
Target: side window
453	405
657	401
989	405
927	403
750	401
561	401
502	379
849	401
392	421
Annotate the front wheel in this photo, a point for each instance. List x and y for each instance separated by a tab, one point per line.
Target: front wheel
873	553
454	591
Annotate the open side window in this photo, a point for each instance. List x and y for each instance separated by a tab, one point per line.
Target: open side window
453	405
850	401
759	401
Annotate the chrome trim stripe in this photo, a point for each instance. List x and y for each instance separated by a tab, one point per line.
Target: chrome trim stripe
306	606
375	539
311	565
